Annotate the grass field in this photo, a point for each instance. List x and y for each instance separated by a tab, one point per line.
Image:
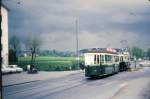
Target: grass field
49	63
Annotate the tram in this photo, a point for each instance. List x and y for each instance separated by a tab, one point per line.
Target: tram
104	62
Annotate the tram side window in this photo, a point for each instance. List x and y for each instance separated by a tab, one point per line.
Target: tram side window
121	59
108	58
94	59
102	58
116	58
97	59
126	57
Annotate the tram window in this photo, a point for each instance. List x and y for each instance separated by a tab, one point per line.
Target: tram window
102	58
116	58
108	58
97	59
126	57
94	59
121	59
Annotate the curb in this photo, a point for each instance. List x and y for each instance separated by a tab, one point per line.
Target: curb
135	69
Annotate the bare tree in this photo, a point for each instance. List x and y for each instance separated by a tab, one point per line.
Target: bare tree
14	45
33	44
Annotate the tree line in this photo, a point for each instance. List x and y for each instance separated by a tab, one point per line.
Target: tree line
33	44
137	52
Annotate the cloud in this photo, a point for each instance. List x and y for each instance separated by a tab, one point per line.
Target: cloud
89	40
102	23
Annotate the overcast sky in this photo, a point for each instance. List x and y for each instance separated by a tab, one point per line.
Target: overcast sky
102	23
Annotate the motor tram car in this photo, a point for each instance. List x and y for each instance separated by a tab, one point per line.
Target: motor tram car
99	63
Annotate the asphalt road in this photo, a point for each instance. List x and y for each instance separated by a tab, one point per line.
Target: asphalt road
124	85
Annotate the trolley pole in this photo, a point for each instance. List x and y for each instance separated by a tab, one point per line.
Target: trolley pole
77	49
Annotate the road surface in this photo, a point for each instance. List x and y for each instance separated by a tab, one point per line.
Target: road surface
124	85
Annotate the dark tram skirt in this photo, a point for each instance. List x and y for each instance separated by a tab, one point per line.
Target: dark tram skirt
91	71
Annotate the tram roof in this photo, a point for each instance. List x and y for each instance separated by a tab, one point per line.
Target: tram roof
102	52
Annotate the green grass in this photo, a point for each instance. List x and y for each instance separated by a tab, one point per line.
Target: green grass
49	63
48	58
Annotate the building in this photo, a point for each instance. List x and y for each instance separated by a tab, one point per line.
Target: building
4	37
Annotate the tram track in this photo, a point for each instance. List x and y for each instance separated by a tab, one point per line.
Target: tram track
55	83
64	83
35	85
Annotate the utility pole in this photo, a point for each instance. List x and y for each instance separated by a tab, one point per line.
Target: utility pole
77	46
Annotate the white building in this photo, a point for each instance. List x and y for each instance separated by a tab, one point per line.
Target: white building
4	38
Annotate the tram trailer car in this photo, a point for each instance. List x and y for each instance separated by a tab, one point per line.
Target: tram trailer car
99	63
124	61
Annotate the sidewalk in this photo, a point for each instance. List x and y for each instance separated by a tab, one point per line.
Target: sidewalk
136	89
24	77
135	68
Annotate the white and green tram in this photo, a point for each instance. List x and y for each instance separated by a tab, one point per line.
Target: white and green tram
99	63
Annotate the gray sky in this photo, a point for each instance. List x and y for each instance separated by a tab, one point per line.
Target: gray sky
102	23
